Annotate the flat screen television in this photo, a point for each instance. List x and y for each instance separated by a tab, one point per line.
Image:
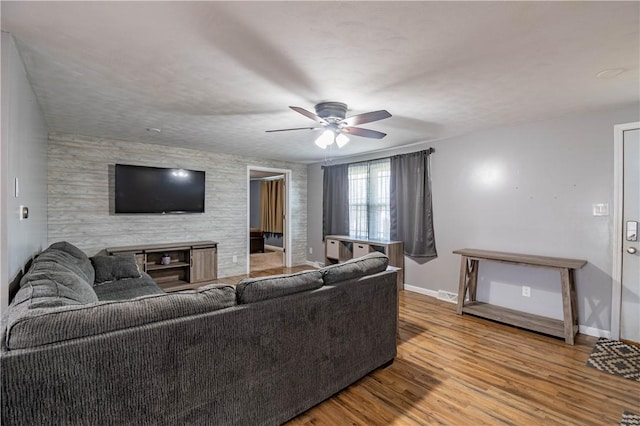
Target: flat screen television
140	189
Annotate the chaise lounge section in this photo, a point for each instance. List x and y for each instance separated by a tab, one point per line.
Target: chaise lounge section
260	353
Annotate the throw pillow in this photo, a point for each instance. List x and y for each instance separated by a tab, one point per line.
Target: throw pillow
109	268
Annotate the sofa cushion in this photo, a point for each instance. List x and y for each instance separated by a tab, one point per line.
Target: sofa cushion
252	290
52	276
35	327
81	259
127	288
64	261
69	248
368	264
45	294
109	268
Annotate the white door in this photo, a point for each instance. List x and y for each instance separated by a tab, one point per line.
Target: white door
630	297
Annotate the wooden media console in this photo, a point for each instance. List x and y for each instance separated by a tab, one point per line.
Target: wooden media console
190	265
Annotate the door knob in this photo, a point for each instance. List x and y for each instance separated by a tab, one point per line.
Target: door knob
631	250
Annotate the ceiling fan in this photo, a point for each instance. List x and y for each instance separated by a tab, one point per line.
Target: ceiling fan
331	117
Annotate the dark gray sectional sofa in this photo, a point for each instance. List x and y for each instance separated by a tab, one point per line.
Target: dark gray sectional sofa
76	352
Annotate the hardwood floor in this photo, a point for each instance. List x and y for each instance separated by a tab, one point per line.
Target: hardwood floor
263	273
270	259
462	370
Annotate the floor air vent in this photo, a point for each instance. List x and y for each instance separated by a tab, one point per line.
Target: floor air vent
447	296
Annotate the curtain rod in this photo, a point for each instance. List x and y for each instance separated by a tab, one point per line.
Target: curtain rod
428	151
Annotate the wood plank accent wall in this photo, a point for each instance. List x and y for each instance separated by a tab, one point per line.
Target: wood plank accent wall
80	198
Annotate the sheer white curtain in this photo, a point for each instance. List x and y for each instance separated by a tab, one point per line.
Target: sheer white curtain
358	199
369	199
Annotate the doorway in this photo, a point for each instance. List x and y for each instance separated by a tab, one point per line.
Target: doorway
625	295
268	230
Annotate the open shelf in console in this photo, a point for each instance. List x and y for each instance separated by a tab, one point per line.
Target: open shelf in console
155	266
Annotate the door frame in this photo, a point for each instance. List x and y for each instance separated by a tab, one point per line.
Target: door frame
287	212
617	240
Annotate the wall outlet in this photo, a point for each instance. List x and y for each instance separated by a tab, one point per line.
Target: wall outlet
235	259
310	250
601	209
526	291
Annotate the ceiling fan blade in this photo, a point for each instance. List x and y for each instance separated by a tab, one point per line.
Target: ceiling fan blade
296	128
309	114
367	117
365	133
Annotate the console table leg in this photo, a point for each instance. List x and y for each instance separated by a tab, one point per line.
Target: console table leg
462	286
574	299
473	279
568	306
468	281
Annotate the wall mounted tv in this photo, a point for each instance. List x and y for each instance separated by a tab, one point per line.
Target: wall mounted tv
141	189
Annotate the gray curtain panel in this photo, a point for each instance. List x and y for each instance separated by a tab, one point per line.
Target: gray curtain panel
335	200
411	212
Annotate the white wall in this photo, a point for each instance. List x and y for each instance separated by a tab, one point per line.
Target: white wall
528	189
81	195
23	155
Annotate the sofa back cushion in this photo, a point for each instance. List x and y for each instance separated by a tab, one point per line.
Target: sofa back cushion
250	290
368	264
45	294
35	327
56	279
79	258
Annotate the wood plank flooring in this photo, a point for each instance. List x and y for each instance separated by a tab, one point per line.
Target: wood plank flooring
270	259
463	370
262	273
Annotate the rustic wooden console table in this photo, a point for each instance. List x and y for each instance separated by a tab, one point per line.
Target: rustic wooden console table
469	282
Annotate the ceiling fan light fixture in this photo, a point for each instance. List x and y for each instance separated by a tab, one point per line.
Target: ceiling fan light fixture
325	139
332	117
341	140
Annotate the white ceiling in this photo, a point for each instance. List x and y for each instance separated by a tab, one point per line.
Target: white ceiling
216	75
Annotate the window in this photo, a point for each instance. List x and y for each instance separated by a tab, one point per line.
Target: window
369	204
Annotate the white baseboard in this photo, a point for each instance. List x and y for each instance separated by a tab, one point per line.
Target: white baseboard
421	290
314	264
445	296
589	331
596	332
273	248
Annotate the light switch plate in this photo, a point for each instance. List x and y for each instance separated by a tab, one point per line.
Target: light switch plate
601	209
